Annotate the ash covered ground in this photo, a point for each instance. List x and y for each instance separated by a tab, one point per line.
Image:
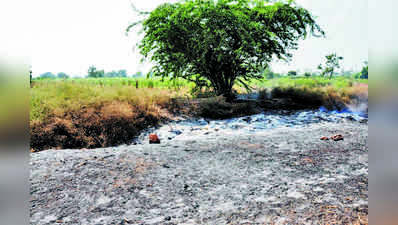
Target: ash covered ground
210	175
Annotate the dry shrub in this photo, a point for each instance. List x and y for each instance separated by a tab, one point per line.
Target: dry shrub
219	108
60	133
328	96
333	99
263	94
100	126
216	108
300	95
244	108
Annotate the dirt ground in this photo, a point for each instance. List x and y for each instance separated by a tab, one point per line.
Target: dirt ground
284	175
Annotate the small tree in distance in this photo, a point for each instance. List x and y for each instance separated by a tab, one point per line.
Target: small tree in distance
292	73
217	43
62	75
364	71
47	75
94	73
332	63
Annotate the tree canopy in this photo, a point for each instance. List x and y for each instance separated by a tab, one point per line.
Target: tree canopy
94	73
47	75
119	73
364	71
62	75
292	73
218	43
332	63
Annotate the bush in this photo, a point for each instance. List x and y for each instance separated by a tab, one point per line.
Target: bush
263	94
219	108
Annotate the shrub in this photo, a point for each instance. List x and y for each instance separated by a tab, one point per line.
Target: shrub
263	94
219	108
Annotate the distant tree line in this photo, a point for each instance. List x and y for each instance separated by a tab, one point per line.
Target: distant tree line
267	73
92	72
49	75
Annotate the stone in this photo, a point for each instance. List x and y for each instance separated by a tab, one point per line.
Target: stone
337	137
177	132
202	122
154	139
247	119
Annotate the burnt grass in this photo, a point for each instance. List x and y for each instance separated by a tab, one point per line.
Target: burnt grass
118	123
279	176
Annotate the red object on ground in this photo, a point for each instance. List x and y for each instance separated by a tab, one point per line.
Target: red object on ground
337	137
324	138
154	139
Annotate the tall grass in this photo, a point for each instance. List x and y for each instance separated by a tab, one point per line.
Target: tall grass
176	84
95	113
311	82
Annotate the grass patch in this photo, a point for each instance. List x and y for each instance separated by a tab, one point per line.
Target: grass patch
82	115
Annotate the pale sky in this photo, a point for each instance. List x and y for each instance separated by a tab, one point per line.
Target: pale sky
71	35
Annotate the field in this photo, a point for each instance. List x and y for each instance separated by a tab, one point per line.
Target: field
103	112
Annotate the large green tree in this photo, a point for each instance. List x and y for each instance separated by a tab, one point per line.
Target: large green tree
218	43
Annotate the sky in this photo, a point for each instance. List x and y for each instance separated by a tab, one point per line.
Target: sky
71	35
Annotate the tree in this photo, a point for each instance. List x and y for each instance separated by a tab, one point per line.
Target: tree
218	43
138	75
119	73
291	73
94	73
111	74
122	73
62	75
332	63
307	74
364	71
267	73
47	75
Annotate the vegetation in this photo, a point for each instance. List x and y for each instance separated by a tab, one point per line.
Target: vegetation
292	73
99	112
62	75
70	114
335	93
332	63
114	73
94	73
201	49
364	71
215	43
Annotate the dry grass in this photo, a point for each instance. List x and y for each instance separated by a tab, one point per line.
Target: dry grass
328	96
73	115
219	108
